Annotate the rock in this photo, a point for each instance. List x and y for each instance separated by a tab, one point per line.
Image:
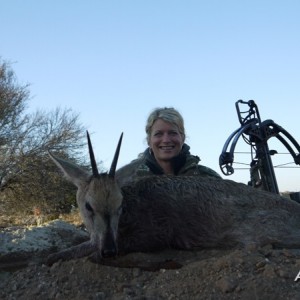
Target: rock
226	285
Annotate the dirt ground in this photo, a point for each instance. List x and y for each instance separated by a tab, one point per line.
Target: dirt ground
263	273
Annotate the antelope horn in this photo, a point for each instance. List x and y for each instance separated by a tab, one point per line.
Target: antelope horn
92	156
115	160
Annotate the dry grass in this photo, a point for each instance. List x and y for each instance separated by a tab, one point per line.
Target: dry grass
73	217
36	220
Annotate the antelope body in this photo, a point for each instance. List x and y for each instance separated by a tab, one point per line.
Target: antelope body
183	212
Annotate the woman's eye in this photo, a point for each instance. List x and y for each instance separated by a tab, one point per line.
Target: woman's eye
88	207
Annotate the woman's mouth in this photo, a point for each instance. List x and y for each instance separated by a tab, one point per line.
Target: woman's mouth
166	148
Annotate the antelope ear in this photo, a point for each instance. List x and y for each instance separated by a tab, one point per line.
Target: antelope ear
71	171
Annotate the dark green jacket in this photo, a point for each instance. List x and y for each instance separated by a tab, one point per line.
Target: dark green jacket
146	164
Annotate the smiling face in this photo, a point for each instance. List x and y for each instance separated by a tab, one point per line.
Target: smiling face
165	141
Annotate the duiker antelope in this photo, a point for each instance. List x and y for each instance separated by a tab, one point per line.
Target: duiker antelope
183	212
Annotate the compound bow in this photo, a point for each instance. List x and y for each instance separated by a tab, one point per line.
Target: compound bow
261	168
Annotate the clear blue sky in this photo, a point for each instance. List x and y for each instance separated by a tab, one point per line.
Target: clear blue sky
114	61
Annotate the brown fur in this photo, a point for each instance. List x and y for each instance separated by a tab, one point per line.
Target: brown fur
183	212
188	212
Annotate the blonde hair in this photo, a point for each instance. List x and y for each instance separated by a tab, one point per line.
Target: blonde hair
167	114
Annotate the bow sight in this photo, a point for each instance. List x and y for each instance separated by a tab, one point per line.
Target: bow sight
261	168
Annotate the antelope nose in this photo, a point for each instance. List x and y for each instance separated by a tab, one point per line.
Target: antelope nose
109	252
109	245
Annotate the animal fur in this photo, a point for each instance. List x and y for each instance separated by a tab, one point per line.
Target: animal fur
182	212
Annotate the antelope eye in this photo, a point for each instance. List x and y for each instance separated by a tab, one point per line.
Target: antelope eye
88	207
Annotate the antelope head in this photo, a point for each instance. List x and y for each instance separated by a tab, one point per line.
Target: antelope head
99	199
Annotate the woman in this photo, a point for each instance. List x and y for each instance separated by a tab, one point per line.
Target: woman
167	153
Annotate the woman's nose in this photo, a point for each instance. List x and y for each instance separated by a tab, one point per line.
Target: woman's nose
166	138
